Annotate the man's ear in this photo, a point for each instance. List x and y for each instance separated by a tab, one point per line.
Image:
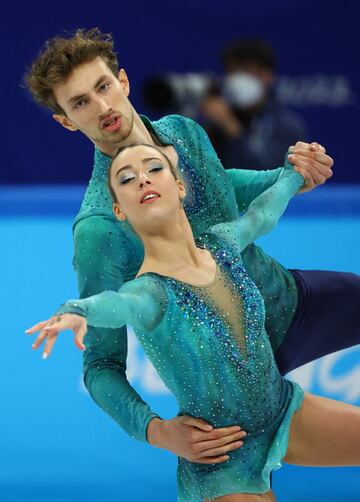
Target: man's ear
118	213
124	82
65	122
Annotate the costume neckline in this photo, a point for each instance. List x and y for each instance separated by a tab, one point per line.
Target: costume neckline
196	286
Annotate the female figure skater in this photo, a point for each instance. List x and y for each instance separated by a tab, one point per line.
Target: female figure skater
200	320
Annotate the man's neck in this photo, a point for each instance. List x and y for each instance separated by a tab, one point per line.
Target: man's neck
139	134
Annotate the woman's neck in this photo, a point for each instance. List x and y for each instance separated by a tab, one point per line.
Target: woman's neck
171	247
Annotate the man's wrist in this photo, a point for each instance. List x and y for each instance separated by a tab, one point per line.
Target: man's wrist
154	430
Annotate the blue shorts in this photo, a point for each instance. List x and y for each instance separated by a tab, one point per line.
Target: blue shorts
326	319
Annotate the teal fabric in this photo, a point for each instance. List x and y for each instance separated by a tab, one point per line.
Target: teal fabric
202	361
108	253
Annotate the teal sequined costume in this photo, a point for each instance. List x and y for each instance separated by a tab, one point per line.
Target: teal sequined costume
210	347
108	253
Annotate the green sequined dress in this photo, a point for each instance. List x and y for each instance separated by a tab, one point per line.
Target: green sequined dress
210	347
108	253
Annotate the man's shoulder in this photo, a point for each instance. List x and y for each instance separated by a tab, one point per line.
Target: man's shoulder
171	119
176	126
97	226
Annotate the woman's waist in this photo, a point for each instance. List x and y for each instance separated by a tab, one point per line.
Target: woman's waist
254	411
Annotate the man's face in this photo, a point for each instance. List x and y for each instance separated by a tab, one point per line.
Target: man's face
96	103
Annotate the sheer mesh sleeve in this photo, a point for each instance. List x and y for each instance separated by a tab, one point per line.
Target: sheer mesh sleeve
141	303
264	212
249	184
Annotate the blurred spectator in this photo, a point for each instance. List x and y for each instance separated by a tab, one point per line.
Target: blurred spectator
247	125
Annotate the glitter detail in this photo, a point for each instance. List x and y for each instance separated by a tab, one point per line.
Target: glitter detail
108	252
223	370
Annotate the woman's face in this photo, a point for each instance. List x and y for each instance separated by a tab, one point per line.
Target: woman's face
145	188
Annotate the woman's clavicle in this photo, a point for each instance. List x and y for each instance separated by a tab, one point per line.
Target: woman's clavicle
199	276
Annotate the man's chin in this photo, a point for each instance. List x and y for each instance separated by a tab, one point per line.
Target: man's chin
110	139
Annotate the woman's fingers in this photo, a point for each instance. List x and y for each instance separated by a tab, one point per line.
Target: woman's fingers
60	325
44	333
314	176
314	146
36	327
50	329
79	337
50	342
316	165
318	158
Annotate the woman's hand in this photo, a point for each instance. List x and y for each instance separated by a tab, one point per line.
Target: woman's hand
312	162
50	329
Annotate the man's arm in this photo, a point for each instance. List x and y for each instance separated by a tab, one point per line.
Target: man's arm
99	262
249	184
311	161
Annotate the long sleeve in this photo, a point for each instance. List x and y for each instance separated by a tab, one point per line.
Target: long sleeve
100	261
137	303
264	212
248	184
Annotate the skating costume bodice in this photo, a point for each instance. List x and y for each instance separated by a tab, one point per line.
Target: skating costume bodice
216	358
210	347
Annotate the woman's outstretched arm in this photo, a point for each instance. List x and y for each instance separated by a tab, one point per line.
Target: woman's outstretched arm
140	302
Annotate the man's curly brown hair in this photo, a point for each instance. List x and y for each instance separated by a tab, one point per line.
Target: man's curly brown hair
60	56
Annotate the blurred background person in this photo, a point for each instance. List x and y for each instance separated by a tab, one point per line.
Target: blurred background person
247	124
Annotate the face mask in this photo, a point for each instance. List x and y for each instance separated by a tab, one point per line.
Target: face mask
242	90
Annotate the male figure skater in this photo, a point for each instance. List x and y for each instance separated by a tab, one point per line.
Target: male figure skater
78	79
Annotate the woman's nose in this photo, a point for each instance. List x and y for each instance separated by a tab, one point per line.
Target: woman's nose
142	183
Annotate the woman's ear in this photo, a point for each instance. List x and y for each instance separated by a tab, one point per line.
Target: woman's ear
118	212
181	188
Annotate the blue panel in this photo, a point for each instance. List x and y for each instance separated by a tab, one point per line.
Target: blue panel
57	445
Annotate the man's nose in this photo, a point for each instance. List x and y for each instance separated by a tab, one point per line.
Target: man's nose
103	106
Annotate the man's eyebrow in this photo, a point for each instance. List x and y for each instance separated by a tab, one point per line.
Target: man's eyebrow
129	166
83	95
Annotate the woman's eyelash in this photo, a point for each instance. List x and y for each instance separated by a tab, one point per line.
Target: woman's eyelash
126	180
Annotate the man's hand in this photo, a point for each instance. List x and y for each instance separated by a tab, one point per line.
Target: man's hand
311	161
194	439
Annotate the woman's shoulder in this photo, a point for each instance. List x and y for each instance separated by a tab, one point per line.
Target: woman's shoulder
217	236
145	283
222	241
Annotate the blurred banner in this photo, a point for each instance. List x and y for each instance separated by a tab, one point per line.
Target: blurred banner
314	46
